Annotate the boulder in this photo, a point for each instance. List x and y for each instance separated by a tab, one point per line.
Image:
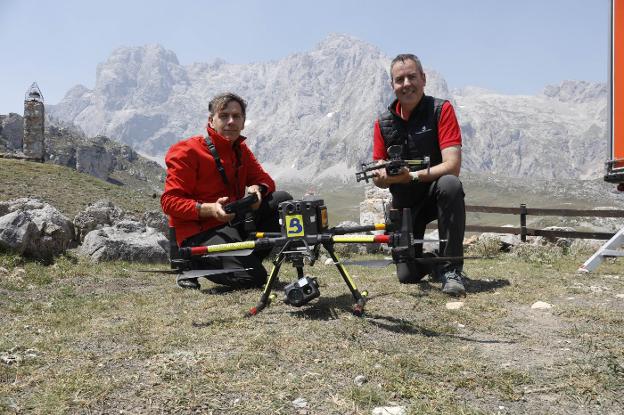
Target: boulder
34	228
17	231
127	240
97	215
505	240
156	219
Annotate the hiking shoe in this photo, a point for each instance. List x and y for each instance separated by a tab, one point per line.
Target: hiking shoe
187	283
453	283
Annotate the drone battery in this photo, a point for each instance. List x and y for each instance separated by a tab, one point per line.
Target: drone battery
299	218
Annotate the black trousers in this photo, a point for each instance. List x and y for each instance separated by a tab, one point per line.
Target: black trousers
443	200
266	219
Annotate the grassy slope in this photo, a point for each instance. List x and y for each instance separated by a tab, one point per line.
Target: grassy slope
106	339
69	191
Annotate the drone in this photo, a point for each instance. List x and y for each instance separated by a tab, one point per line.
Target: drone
304	231
393	166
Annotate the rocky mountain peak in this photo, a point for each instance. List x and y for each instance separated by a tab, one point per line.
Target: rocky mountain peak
311	114
140	55
338	43
138	76
577	91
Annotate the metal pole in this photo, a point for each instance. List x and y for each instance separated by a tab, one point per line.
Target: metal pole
523	228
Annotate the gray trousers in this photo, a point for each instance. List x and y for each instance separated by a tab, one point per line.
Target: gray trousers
266	219
443	200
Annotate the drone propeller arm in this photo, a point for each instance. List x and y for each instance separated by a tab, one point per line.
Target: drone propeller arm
270	242
234	246
359	239
337	235
358	228
259	235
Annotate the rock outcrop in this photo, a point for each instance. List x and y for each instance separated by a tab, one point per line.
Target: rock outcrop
127	240
156	219
100	156
37	230
97	215
34	229
67	145
11	133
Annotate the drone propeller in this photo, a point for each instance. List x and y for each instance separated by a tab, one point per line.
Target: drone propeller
195	273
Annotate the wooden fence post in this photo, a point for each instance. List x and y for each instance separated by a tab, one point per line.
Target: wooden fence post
523	228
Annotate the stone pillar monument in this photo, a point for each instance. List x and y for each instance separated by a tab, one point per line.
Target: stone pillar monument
33	145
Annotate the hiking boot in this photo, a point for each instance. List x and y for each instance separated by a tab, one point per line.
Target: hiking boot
188	283
453	283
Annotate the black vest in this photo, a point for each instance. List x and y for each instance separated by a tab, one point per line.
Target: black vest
419	134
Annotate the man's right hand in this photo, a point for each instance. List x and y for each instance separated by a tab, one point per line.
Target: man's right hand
382	179
215	210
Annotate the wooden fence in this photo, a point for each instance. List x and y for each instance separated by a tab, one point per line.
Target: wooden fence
523	212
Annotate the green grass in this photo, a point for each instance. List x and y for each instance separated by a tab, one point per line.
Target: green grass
69	191
106	338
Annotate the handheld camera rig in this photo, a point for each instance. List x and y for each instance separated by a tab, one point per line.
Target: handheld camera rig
393	166
241	206
242	211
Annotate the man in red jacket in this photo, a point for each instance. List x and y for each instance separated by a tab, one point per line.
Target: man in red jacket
206	172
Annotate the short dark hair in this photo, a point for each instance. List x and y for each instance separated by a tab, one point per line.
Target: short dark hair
405	57
222	100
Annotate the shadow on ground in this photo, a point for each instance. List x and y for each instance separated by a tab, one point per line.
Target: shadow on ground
402	326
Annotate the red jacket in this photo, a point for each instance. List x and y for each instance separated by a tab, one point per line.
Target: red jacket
192	177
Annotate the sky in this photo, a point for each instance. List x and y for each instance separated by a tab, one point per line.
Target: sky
509	46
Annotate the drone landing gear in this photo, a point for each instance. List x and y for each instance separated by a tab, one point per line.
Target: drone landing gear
305	288
360	297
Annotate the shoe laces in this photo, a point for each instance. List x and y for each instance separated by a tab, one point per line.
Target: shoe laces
456	275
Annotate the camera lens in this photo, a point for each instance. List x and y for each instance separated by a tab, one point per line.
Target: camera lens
287	207
294	296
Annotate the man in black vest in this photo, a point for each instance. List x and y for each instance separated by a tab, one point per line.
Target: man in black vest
424	126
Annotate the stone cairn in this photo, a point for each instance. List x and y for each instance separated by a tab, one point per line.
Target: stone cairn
34	114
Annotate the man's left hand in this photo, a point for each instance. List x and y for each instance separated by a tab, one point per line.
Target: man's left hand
257	189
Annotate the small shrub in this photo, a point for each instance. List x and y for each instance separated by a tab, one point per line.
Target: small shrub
487	247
